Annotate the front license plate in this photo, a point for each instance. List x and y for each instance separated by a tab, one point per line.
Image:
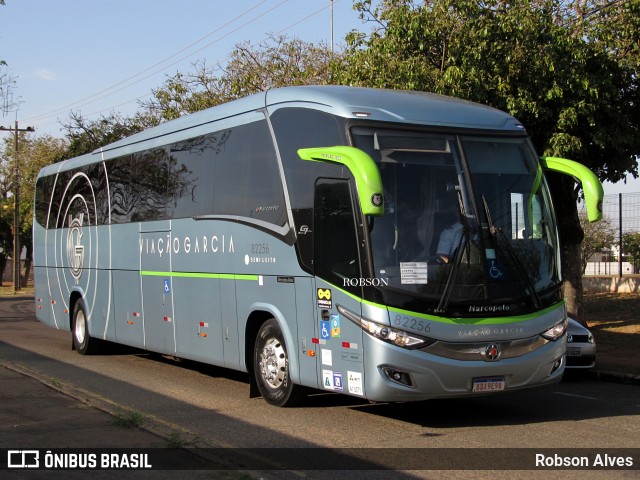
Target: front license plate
488	384
573	351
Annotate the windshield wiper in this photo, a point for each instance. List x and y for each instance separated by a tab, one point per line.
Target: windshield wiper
498	233
453	273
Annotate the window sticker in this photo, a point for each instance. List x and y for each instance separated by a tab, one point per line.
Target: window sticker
413	273
327	358
335	325
324	298
327	379
354	383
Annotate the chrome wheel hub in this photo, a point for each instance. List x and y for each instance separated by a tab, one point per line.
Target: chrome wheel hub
80	327
273	363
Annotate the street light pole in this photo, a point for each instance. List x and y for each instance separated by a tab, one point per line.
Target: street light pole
16	206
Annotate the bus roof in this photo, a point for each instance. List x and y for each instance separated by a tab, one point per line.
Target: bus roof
397	106
349	102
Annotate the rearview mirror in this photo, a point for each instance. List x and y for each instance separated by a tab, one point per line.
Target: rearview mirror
593	192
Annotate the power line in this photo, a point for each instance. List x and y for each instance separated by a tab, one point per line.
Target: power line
64	109
110	90
264	39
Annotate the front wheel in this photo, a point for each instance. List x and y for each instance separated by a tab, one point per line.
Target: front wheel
271	367
82	341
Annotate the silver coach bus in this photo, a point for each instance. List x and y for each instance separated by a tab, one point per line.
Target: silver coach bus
389	245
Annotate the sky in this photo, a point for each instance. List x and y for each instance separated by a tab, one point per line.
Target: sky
101	56
95	57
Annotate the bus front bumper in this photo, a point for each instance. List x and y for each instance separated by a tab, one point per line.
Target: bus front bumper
394	374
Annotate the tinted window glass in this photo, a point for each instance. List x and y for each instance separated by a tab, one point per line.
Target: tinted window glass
44	187
97	174
138	184
335	240
246	177
192	167
79	191
297	128
230	172
56	218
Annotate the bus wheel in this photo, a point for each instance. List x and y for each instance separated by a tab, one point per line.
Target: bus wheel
271	367
82	341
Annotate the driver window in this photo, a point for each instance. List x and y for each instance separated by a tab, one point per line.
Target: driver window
335	239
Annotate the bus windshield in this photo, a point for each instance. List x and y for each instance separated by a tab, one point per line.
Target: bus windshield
467	224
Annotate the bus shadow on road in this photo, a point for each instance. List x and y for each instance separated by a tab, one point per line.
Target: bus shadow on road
250	448
553	403
572	402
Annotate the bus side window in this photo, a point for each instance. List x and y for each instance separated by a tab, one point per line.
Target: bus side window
246	180
44	187
335	239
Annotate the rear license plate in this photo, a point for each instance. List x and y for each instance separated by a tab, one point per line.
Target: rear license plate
573	351
488	384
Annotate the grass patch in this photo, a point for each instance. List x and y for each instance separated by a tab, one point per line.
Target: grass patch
607	306
55	382
176	440
128	420
614	320
6	290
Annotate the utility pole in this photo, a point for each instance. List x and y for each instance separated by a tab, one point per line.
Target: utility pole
331	10
16	205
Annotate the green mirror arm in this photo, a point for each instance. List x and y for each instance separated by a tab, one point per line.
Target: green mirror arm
593	192
362	167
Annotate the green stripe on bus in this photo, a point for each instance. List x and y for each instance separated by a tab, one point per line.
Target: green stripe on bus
222	276
481	321
456	321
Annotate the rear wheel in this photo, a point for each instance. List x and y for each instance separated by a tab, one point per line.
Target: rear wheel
82	341
271	367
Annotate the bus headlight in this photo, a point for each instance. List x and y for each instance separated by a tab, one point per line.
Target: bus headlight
385	332
557	330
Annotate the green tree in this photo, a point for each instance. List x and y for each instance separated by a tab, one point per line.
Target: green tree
6	237
631	247
540	60
33	154
251	69
85	136
597	237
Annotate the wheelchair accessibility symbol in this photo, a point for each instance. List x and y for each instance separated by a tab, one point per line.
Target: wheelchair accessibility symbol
325	330
494	271
167	285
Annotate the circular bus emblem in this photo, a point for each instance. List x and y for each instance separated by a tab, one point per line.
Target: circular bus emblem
492	352
376	199
75	249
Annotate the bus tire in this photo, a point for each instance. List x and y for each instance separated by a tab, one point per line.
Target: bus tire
82	341
271	368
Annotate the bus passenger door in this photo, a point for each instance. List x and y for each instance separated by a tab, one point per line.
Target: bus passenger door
337	267
157	287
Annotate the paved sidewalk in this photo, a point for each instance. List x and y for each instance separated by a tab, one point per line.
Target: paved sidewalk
41	413
37	416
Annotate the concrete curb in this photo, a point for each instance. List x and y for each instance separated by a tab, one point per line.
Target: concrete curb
152	424
624	378
175	436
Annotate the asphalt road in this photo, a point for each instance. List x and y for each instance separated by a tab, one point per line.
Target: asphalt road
211	406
